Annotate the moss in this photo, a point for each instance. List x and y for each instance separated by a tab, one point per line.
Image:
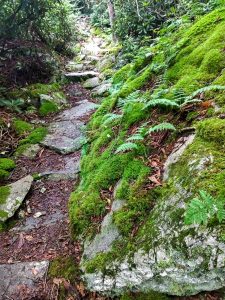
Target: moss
47	107
200	56
4	193
212	129
64	267
37	89
4	174
136	83
122	74
6	165
21	127
192	116
36	136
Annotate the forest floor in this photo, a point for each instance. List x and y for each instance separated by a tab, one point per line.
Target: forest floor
40	236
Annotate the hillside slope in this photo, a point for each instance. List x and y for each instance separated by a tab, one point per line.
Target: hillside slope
137	180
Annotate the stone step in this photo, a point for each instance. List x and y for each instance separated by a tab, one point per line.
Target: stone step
14	276
78	76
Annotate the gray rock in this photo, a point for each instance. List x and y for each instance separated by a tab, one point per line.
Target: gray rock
55	97
15	275
108	234
102	90
65	136
91	83
176	154
69	171
18	192
82	109
73	66
32	151
31	223
78	76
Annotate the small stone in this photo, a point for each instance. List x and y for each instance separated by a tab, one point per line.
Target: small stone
39	214
32	151
43	190
92	83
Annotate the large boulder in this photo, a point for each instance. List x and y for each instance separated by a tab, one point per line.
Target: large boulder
12	196
166	255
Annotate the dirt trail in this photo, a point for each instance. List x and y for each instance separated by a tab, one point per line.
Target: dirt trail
42	233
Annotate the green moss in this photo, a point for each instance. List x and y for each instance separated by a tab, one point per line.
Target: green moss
4	193
6	165
64	267
37	89
212	129
122	74
36	136
22	127
136	83
47	107
192	116
200	56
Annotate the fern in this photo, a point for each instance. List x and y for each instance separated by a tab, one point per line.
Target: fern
109	118
162	127
161	103
126	147
136	137
203	209
207	89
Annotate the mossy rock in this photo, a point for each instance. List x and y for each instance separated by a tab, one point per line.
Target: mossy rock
6	165
48	107
22	127
36	136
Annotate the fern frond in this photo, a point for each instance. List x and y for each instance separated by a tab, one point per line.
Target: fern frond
109	118
161	103
126	147
196	213
136	137
202	209
206	89
162	127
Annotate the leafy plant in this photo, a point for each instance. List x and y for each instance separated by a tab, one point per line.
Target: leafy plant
161	103
162	127
203	208
109	118
126	147
13	105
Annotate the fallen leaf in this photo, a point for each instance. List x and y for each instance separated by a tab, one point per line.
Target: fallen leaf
34	271
154	180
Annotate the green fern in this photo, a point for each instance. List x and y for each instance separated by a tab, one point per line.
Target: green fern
161	103
126	147
110	118
13	105
207	89
135	137
201	210
162	127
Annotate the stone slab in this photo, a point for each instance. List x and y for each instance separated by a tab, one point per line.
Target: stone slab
14	275
18	192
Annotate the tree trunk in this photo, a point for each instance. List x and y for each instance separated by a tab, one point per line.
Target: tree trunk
112	17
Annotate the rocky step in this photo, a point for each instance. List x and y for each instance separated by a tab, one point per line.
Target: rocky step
14	277
79	76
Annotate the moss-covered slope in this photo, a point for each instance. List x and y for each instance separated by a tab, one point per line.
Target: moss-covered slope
156	250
